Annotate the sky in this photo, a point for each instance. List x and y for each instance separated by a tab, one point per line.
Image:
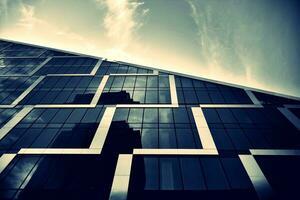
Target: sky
252	43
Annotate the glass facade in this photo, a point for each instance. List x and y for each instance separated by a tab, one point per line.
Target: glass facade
80	127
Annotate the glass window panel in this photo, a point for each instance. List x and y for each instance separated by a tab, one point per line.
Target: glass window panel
236	173
221	139
91	115
129	82
151	173
165	115
27	138
198	83
192	174
139	96
32	116
61	116
164	96
185	138
226	116
47	115
118	82
203	97
141	81
190	97
135	115
216	97
167	138
45	138
150	115
164	81
186	82
181	115
152	97
239	139
121	114
211	116
241	116
149	138
152	82
76	115
214	174
170	177
19	172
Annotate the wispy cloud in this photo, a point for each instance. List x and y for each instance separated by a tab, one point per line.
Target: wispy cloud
121	25
3	11
30	27
27	19
120	22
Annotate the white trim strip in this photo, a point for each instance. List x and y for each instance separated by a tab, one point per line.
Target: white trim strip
173	91
14	121
69	75
258	179
146	106
291	117
175	152
204	133
252	97
99	90
7	106
133	74
96	67
231	106
40	66
64	106
15	75
28	90
53	151
120	183
5	159
275	152
103	128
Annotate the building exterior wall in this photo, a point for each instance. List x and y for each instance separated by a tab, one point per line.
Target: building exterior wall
80	127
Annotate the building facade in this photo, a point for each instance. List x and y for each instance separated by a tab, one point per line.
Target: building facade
79	127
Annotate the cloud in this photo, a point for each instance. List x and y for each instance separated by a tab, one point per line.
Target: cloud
31	28
121	24
3	11
28	20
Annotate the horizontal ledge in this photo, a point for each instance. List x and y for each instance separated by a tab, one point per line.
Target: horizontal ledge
58	151
8	106
175	152
275	152
147	105
69	75
65	106
231	106
154	74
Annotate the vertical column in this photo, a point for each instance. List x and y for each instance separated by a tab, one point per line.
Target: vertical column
103	128
26	92
205	136
97	66
258	179
291	117
99	90
252	97
14	121
5	159
120	184
173	91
